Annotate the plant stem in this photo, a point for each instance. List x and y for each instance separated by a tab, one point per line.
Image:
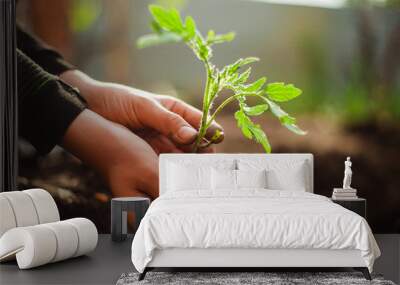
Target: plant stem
223	104
206	106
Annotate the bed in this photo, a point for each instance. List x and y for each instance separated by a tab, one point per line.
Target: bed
247	210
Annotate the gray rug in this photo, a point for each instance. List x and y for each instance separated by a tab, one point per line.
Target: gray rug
243	278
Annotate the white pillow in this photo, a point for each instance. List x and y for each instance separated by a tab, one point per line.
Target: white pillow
223	179
251	178
289	179
184	177
281	174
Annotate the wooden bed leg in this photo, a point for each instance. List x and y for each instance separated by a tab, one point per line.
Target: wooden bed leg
364	271
143	274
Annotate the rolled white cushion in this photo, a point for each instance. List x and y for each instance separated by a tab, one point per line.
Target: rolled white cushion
33	246
45	205
7	218
40	244
23	208
67	240
87	235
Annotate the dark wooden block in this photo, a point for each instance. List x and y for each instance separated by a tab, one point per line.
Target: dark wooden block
357	205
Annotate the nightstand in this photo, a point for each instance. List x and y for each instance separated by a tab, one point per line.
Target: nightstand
357	205
119	214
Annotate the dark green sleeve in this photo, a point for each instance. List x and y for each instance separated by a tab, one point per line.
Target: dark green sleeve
45	56
47	106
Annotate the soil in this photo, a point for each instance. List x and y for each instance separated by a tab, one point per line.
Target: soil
373	147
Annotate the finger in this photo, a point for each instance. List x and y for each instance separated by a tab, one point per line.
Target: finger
190	114
154	115
189	149
209	149
164	145
186	148
158	142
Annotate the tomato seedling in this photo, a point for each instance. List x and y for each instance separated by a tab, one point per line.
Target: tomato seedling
168	27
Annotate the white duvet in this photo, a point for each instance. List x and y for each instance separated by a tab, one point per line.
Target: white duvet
250	219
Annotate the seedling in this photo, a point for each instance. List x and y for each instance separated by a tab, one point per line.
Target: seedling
168	27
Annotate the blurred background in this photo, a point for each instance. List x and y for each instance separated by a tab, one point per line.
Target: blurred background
344	55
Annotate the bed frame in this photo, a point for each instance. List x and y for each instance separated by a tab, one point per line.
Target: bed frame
246	258
243	259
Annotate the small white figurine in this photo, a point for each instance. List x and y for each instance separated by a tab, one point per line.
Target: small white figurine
347	174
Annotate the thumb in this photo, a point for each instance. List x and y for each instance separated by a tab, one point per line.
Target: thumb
152	114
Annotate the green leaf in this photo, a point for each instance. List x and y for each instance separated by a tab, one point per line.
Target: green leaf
154	39
212	38
202	51
190	28
247	60
276	109
255	110
168	19
243	77
251	130
232	68
255	86
155	27
280	92
261	137
295	129
286	120
243	123
210	34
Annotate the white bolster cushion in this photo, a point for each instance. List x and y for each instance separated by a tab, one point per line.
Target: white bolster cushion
23	208
66	238
87	235
33	246
7	218
45	205
37	245
26	208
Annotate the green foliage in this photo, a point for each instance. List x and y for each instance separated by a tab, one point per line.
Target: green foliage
255	110
251	130
280	92
168	27
84	14
153	40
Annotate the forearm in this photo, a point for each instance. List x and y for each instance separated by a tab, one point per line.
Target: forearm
115	102
92	90
123	159
93	139
87	86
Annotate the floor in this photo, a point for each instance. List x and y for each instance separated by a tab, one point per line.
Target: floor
110	260
389	262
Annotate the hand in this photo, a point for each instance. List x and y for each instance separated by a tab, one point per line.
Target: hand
167	123
127	162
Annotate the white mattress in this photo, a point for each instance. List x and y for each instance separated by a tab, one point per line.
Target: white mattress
259	219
